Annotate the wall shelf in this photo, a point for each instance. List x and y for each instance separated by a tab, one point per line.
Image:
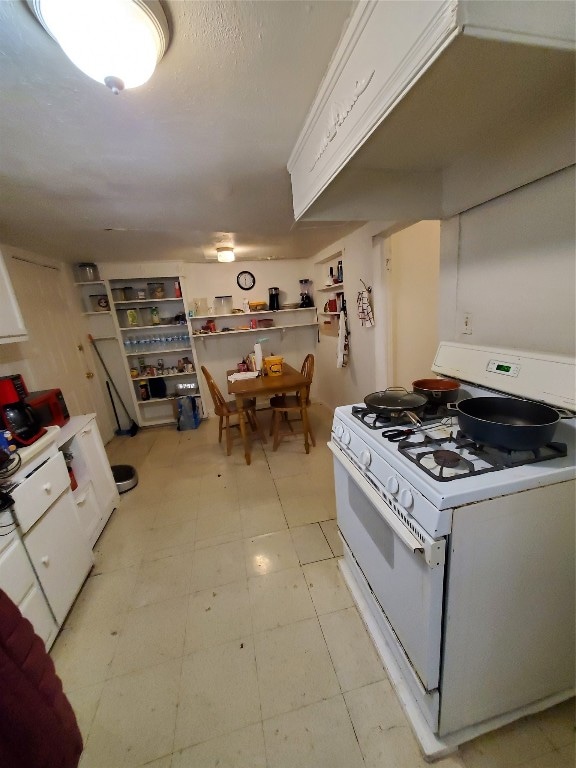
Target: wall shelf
335	288
213	334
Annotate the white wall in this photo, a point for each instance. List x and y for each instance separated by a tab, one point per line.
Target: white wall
414	255
510	263
222	353
361	255
51	357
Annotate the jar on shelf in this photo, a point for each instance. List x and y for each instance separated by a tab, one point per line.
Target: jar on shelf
154	316
223	305
86	272
99	302
156	290
132	318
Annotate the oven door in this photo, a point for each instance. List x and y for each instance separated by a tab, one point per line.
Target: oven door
393	560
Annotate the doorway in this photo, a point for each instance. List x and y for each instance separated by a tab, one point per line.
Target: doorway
411	274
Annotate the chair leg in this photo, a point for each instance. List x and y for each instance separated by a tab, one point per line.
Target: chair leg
312	438
228	437
220	429
305	427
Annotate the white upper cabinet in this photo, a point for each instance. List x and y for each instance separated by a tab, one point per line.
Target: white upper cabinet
433	106
11	323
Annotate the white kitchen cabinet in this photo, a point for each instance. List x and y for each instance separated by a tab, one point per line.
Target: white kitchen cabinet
12	326
44	507
96	496
60	554
397	129
19	581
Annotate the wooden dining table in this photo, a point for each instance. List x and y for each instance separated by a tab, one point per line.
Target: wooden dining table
290	380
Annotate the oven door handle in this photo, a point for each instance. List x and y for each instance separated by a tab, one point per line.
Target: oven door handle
410	541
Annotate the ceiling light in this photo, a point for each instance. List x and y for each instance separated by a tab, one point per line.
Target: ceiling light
116	42
225	254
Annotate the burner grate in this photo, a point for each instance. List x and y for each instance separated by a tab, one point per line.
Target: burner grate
373	420
455	457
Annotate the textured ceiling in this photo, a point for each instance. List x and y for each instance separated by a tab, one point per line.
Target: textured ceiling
193	159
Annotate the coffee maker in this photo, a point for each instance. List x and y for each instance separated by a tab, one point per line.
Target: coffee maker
15	414
274	298
306	299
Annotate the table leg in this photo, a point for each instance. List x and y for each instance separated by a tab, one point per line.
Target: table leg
243	430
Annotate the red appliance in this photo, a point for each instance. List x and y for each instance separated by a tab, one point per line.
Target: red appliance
15	414
49	406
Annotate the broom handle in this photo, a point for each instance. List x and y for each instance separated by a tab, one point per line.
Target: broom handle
113	403
92	341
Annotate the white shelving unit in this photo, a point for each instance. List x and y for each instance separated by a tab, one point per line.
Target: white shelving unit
161	354
329	324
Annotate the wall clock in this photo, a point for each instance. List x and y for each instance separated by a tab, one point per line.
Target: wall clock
246	280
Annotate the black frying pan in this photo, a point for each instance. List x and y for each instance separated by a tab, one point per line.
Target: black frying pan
507	422
395	401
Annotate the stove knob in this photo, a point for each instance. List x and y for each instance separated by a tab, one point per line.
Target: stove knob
365	459
406	499
338	431
392	485
346	437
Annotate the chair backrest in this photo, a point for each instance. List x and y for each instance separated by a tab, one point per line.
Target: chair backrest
308	371
220	405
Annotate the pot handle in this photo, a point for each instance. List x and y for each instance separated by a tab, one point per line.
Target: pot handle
413	418
564	413
396	389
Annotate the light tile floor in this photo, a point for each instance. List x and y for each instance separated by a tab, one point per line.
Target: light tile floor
215	628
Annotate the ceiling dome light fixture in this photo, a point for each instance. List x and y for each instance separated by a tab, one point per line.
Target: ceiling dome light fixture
225	254
116	42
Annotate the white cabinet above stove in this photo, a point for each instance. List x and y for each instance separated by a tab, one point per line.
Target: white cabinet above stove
431	107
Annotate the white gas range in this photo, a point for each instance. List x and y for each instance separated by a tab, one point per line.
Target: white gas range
461	557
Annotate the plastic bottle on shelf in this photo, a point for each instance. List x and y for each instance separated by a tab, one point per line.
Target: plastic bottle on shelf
339	272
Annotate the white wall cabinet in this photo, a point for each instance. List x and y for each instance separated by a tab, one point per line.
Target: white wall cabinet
96	495
19	581
395	131
12	326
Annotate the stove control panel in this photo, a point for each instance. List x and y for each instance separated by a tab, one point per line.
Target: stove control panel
500	366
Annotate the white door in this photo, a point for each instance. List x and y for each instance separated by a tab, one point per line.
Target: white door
60	554
408	590
98	466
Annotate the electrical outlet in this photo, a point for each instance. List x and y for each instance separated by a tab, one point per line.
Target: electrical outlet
467	324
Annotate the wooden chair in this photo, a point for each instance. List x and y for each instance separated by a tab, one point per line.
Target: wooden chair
283	405
226	409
